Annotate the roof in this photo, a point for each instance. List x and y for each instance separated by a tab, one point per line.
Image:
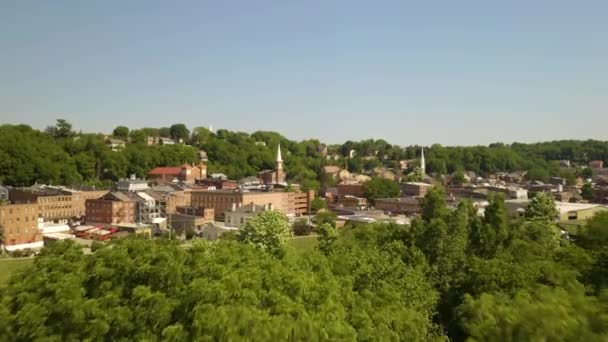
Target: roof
171	170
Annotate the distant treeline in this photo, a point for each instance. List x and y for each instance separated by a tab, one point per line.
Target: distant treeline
59	155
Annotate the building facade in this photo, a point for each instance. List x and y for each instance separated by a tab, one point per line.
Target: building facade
289	203
112	208
55	203
19	226
417	189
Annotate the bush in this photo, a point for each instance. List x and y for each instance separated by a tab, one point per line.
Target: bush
301	228
96	245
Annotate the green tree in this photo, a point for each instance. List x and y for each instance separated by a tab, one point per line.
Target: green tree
327	237
380	188
587	192
434	204
547	314
179	132
323	217
61	130
301	228
458	178
268	230
121	132
318	204
542	207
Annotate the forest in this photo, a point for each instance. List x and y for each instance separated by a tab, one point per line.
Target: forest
62	155
450	275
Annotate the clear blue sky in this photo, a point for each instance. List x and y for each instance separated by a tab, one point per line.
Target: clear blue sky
411	72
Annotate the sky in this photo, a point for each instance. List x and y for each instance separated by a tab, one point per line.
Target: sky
410	72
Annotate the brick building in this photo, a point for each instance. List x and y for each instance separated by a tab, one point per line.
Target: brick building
404	205
185	173
415	189
289	203
114	207
19	226
351	189
55	203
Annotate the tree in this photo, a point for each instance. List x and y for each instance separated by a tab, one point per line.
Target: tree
586	173
318	204
179	132
380	188
268	230
587	192
433	204
138	136
546	314
323	217
121	132
301	228
542	207
61	130
458	178
327	237
164	132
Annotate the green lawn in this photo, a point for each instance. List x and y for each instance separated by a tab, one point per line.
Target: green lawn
9	266
305	243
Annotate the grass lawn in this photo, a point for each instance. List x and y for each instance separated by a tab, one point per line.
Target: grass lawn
9	266
304	243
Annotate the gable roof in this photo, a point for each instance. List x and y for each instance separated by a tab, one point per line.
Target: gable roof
174	171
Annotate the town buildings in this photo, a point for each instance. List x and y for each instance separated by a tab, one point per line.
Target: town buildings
403	205
55	203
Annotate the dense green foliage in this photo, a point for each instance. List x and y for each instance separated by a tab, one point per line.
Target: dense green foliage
380	188
451	274
60	155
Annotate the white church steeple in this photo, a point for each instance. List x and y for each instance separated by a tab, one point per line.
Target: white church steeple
422	163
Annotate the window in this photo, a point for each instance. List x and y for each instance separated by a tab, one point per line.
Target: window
573	215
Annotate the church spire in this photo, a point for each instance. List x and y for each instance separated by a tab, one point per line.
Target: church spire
422	163
279	157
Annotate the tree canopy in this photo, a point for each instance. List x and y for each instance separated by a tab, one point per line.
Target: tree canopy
449	275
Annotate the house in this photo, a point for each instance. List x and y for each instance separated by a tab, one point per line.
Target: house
600	190
239	213
250	183
132	184
331	171
166	141
116	144
152	140
185	173
349	201
202	156
218	183
4	193
351	189
596	164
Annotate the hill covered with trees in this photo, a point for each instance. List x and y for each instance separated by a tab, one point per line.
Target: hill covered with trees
60	155
451	274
